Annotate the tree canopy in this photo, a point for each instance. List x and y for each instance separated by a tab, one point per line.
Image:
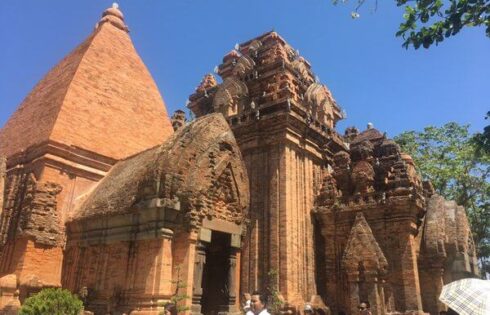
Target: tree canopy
428	22
453	160
52	301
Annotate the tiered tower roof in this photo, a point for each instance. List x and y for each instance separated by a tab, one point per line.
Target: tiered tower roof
266	78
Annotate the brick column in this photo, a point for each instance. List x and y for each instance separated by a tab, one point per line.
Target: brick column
232	277
197	283
409	272
374	297
163	276
232	283
163	285
353	279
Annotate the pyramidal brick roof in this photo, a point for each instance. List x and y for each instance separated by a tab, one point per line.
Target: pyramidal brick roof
101	98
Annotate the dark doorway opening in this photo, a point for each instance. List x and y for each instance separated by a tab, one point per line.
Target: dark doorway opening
215	295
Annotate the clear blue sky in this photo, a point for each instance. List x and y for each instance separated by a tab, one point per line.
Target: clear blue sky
371	76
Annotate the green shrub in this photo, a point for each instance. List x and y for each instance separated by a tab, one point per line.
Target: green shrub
52	301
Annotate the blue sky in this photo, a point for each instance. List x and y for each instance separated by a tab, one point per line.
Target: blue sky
371	76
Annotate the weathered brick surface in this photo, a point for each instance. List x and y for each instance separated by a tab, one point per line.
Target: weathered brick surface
376	181
99	104
343	219
3	174
201	166
9	297
121	275
282	120
447	250
141	222
101	98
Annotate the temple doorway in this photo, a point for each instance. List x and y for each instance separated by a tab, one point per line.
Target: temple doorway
215	278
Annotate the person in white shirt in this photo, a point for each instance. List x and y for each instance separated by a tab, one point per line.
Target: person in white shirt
247	307
258	304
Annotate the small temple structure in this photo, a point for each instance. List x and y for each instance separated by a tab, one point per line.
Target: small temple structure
102	193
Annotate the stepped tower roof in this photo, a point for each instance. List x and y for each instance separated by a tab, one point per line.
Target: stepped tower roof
100	98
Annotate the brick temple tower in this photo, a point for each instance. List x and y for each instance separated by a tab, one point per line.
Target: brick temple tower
98	105
99	195
283	120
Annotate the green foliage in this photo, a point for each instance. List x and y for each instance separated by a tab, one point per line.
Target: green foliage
482	140
428	22
443	19
179	298
274	301
453	160
52	301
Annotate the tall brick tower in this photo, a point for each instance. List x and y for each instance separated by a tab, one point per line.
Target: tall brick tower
283	120
98	105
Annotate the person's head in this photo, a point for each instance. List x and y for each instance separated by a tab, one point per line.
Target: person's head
363	306
170	309
442	313
246	296
247	305
308	309
258	302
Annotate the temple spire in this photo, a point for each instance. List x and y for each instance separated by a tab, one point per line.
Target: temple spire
100	98
114	16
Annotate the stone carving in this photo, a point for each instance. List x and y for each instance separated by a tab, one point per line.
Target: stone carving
362	151
321	103
389	148
364	262
303	69
329	193
178	119
253	48
200	168
350	134
378	185
243	66
43	223
232	56
31	210
363	177
363	247
231	97
378	165
342	171
207	82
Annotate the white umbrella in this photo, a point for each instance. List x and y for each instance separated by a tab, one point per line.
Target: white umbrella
467	296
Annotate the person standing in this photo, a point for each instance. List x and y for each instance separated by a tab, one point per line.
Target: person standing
247	307
258	304
364	309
